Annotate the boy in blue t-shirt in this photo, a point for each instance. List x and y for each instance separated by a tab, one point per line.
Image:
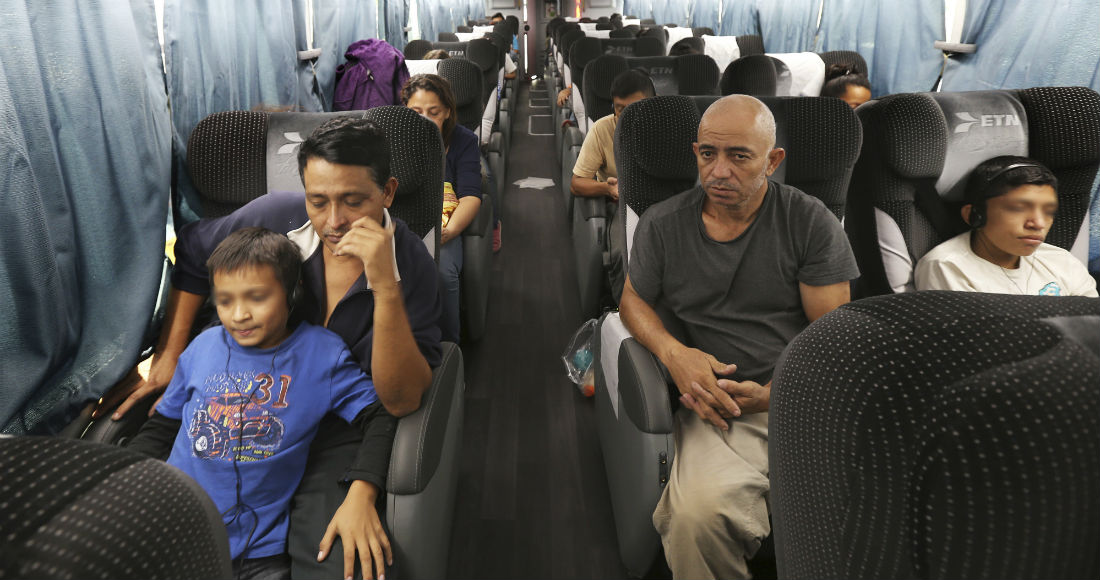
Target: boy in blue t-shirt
246	401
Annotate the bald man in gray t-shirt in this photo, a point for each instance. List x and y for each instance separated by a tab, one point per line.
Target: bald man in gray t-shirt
743	264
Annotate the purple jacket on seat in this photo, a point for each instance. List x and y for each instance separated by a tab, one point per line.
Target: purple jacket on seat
373	76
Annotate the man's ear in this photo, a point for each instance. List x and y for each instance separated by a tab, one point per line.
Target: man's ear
965	211
775	157
389	191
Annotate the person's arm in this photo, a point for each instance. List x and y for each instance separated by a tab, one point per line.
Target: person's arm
563	95
589	187
467	185
694	371
357	521
400	372
156	437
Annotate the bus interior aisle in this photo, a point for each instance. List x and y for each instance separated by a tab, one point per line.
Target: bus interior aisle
532	496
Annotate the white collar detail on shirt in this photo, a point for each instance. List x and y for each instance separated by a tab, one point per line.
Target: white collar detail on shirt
308	241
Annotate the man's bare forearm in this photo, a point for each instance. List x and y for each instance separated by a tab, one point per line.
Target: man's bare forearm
400	372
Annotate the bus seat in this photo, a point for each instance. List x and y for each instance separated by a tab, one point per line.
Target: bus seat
849	58
447	37
227	160
466	84
750	75
750	44
698	31
464	29
907	188
75	509
822	138
939	435
416	49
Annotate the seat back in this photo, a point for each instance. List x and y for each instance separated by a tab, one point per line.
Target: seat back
624	32
702	30
416	49
907	188
466	84
448	37
227	160
567	41
849	58
72	508
598	76
690	74
750	44
464	29
489	58
750	75
905	442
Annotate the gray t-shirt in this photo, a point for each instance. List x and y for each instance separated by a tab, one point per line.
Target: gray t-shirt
739	300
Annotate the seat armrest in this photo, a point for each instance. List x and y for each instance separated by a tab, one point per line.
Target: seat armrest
496	143
483	220
592	207
644	389
573	137
418	442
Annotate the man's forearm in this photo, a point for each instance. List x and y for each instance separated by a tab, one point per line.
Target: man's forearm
400	372
644	325
183	307
588	187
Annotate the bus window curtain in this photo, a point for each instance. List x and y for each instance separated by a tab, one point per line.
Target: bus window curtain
435	17
788	26
704	13
739	19
397	15
336	25
894	38
670	13
1024	45
85	145
225	56
641	8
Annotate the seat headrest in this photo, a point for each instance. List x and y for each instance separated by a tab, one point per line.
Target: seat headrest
584	51
702	30
750	44
285	133
625	32
981	125
465	78
416	49
1071	120
567	41
416	160
849	58
448	37
454	49
696	74
750	75
656	135
600	73
227	160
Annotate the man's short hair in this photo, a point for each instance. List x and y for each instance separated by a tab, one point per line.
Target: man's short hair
254	247
632	81
1000	175
349	141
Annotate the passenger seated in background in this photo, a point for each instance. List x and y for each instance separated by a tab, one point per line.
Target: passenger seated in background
594	174
431	96
244	434
496	18
437	54
842	82
1010	206
743	264
366	277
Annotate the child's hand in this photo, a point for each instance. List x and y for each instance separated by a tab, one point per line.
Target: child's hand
357	524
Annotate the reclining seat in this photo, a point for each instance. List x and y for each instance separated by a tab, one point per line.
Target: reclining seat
423	469
486	56
849	58
903	445
750	75
477	250
416	49
633	407
908	185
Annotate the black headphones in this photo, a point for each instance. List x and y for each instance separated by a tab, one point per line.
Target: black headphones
977	205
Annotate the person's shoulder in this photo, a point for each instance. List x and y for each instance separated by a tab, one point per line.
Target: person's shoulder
795	200
605	124
1047	251
672	207
463	137
213	337
949	250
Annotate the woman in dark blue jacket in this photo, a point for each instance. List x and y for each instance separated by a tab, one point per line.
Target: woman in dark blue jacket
431	96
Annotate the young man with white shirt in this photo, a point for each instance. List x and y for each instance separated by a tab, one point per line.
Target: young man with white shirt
1010	206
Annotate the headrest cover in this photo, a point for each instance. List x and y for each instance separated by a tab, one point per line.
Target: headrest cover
1070	119
656	134
981	125
910	129
285	134
226	159
465	78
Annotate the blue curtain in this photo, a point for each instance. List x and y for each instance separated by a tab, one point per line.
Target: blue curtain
396	17
739	17
894	38
641	8
788	26
337	24
704	13
225	56
670	12
1023	45
434	17
85	146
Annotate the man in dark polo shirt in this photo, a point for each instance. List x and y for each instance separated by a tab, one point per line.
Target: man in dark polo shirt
365	276
743	264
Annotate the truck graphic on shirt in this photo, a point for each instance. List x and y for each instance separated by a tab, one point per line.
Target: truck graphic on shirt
232	420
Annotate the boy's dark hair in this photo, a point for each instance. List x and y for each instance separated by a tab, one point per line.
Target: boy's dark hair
999	175
632	81
441	88
255	246
838	77
348	141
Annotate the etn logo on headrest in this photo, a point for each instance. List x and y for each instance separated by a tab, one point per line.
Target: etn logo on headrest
456	53
660	70
969	120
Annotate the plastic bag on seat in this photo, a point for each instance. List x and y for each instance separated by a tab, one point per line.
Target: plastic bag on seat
578	358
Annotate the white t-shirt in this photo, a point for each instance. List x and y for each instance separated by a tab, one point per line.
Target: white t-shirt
1050	271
